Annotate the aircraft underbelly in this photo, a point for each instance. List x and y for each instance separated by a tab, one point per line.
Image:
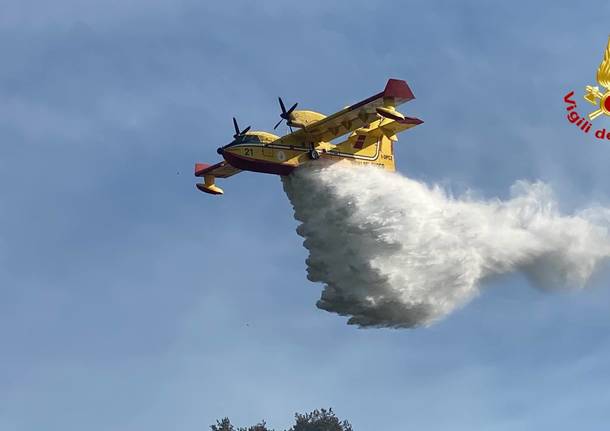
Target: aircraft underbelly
248	164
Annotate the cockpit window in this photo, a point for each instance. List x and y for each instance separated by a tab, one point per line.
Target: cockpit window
251	139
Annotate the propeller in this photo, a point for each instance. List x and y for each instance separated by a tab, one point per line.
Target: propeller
238	137
285	115
239	134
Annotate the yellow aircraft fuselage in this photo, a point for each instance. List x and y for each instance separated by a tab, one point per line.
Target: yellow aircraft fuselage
264	152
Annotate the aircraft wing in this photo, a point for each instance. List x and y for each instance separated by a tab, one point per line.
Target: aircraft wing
210	173
219	170
352	117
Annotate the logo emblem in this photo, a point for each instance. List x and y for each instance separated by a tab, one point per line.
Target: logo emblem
593	95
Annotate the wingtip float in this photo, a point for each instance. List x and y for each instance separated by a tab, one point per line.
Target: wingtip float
372	126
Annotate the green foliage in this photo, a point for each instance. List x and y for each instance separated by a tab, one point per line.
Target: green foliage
318	420
223	425
262	426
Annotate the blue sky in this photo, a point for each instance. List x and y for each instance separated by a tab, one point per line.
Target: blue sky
131	301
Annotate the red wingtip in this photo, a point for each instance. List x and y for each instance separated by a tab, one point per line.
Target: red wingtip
200	167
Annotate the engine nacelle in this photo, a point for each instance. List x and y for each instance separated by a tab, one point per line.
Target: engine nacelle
303	119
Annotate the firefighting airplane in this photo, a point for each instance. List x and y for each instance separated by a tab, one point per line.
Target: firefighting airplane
372	125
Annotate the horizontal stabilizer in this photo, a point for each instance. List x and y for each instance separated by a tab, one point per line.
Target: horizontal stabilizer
353	117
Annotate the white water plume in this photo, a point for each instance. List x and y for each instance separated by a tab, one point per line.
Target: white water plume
394	252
